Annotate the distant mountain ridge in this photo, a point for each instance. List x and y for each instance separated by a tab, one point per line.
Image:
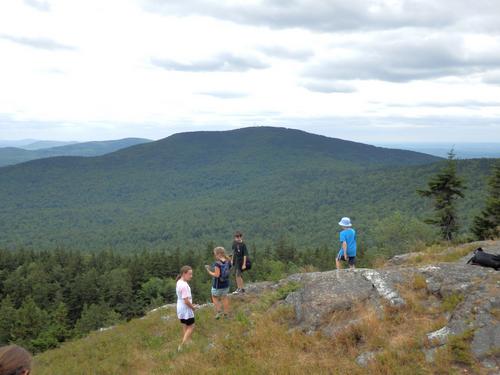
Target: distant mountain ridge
461	150
14	155
39	145
33	144
200	186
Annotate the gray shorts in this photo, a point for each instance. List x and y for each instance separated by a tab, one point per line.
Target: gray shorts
220	292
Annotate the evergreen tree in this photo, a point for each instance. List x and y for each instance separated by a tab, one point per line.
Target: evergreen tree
445	188
95	317
7	320
487	224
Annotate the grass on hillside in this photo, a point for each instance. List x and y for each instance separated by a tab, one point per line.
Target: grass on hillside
258	339
440	252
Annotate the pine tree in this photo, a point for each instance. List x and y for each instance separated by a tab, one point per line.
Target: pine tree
487	224
445	188
7	320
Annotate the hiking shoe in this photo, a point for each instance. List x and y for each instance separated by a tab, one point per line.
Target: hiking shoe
242	290
237	291
219	315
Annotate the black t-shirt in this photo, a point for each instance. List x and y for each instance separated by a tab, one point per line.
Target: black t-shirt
239	251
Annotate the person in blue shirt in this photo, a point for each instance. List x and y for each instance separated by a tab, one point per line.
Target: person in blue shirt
347	250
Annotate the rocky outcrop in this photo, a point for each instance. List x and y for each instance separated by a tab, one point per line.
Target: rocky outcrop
476	289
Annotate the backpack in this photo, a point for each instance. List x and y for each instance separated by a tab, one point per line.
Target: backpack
248	264
484	259
224	271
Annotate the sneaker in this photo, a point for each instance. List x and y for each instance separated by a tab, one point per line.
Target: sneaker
242	290
219	315
237	291
179	348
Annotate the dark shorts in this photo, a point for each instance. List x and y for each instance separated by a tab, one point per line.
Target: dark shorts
237	267
188	322
352	260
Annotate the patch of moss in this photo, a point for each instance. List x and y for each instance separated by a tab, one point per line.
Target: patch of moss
450	302
459	346
419	282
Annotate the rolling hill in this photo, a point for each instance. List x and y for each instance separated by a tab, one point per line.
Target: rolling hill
191	188
15	155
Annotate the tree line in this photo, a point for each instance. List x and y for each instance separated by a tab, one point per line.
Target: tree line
48	297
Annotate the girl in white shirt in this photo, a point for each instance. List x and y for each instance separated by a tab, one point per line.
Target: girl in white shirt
185	307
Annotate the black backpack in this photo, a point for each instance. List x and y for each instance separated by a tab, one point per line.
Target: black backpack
484	259
248	264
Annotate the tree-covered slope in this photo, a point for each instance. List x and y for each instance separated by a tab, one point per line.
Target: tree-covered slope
196	187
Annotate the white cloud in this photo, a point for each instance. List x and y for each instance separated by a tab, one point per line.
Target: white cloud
36	42
99	70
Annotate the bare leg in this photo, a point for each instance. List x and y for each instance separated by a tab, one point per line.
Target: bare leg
217	304
338	265
187	334
225	303
239	282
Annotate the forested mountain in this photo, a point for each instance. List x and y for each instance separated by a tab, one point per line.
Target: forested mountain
197	187
14	155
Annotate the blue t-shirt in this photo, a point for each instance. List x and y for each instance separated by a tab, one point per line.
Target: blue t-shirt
348	236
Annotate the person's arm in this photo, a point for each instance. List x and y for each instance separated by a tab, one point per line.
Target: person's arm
245	253
185	297
343	244
344	247
188	303
215	273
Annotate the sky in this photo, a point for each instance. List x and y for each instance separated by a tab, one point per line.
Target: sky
366	70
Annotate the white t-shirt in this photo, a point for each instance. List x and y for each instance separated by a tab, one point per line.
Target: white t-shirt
183	291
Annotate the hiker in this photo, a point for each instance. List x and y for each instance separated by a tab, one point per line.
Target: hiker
185	307
239	260
220	282
14	360
347	250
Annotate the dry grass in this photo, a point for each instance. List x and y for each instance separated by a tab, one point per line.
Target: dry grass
258	340
437	253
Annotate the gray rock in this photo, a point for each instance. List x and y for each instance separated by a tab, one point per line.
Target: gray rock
486	338
492	365
400	259
430	355
439	337
383	284
324	293
260	287
365	358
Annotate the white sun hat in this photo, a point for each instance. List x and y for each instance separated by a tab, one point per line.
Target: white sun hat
345	222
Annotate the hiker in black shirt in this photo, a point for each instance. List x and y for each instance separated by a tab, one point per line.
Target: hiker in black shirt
239	260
